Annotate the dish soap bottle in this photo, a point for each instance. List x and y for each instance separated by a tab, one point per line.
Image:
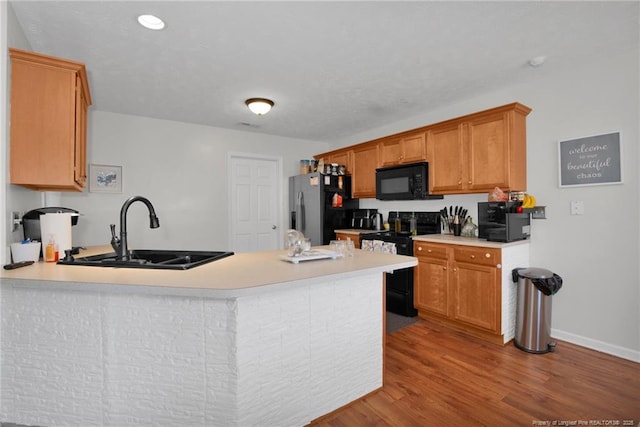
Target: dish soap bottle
51	250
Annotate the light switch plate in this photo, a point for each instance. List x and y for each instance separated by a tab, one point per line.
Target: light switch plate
577	207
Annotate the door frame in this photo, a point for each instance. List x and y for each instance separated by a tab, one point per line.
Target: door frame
279	192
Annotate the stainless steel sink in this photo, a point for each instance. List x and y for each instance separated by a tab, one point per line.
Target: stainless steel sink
150	259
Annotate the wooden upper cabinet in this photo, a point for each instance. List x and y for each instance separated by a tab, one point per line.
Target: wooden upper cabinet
49	101
365	162
468	154
445	154
476	153
407	149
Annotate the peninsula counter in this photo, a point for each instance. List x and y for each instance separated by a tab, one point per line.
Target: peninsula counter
246	340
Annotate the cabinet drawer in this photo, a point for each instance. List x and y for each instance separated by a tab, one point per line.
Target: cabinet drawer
475	255
430	250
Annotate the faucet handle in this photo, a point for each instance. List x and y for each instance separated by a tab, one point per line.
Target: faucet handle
115	241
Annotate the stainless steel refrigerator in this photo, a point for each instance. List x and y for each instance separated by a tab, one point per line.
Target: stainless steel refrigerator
311	208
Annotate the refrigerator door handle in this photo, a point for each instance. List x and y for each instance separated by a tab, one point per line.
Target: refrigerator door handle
300	225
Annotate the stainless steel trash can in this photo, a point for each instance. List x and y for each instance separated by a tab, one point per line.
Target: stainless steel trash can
533	310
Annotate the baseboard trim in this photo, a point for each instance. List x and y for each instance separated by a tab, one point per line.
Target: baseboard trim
614	350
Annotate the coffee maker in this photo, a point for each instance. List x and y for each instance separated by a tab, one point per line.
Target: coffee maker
499	222
363	218
31	221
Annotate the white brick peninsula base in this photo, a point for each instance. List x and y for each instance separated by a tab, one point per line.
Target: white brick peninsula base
282	354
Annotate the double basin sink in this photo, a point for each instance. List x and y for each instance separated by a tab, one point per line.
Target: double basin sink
150	259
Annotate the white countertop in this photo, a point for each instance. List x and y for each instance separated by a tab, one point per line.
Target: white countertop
466	241
231	276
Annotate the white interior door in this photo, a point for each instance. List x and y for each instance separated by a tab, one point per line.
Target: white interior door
255	201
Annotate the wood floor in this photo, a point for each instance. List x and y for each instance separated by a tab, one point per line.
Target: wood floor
438	377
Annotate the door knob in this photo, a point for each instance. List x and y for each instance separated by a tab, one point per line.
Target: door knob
273	227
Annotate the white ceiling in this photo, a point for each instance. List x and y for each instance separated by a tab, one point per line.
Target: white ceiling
333	68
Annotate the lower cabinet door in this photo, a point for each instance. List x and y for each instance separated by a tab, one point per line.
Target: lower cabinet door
431	285
477	295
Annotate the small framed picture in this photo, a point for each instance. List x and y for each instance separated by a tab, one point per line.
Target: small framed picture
105	179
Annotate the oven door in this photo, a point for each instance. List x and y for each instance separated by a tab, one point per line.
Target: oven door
399	284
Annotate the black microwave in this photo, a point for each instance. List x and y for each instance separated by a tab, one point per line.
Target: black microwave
404	182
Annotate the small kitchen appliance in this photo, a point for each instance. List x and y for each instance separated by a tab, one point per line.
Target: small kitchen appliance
405	182
499	222
377	223
400	291
31	221
363	219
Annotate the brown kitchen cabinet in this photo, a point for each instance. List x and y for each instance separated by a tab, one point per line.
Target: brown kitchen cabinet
363	175
411	148
460	286
475	153
49	101
433	272
476	287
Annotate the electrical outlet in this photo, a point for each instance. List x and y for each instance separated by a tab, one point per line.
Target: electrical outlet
577	207
14	221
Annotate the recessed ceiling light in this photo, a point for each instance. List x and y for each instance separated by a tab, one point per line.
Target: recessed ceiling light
151	22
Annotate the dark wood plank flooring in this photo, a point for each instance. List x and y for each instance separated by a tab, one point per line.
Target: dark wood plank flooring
438	377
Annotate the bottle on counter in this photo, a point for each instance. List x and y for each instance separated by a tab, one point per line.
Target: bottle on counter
413	228
51	250
397	224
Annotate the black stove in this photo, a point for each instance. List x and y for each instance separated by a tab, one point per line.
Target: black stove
400	282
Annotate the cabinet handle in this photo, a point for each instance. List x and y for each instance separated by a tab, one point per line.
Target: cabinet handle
429	250
444	268
487	255
420	248
473	257
469	182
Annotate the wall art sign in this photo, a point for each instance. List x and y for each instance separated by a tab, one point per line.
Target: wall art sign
105	179
591	160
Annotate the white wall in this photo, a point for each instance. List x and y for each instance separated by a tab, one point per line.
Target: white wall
16	198
182	169
596	254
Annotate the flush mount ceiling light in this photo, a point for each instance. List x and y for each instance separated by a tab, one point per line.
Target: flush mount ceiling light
537	61
151	22
259	106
